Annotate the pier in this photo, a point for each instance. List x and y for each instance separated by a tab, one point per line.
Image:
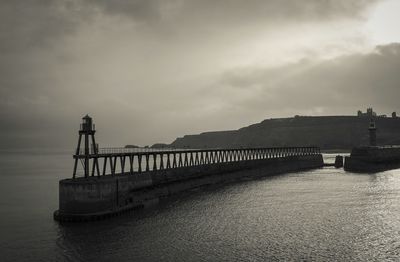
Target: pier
116	180
373	158
131	162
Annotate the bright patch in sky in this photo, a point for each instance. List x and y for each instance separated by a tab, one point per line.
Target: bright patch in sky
384	22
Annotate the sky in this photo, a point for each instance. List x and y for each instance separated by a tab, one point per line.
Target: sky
150	71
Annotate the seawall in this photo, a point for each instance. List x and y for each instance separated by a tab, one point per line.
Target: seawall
373	159
86	199
362	166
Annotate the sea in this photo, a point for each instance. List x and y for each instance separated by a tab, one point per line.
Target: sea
318	215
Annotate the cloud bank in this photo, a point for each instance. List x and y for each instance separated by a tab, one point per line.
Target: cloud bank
149	71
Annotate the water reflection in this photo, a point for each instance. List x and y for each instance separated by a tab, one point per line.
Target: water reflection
325	215
318	215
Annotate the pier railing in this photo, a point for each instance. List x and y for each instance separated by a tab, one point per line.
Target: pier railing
138	160
118	150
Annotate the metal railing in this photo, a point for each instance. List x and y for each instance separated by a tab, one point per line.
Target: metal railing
85	127
124	150
138	160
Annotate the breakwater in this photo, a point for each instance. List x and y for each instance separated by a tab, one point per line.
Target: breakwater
145	176
167	173
373	159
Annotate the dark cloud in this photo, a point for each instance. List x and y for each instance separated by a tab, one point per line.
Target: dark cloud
233	11
336	85
139	10
59	60
25	25
34	23
28	24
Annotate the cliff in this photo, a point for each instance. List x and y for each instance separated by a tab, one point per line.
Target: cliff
327	132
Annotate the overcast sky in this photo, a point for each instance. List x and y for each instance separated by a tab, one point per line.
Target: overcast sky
150	71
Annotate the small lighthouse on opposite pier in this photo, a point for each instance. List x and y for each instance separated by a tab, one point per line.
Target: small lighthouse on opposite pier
372	133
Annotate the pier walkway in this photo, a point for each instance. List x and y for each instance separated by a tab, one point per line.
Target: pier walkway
110	181
107	161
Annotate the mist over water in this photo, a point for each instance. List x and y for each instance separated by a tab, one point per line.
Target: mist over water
324	214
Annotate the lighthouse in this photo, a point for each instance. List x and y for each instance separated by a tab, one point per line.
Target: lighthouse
372	133
87	131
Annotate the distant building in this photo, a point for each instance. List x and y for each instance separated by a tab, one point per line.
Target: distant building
394	115
370	113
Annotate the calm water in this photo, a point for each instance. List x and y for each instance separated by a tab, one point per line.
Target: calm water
319	215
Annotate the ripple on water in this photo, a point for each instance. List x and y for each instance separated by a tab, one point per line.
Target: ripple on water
322	215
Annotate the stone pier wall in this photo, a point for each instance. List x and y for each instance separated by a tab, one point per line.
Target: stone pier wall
85	199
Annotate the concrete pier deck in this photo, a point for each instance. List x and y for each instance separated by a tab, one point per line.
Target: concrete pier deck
94	198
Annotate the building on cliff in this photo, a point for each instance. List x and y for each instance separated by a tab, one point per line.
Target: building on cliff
370	113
